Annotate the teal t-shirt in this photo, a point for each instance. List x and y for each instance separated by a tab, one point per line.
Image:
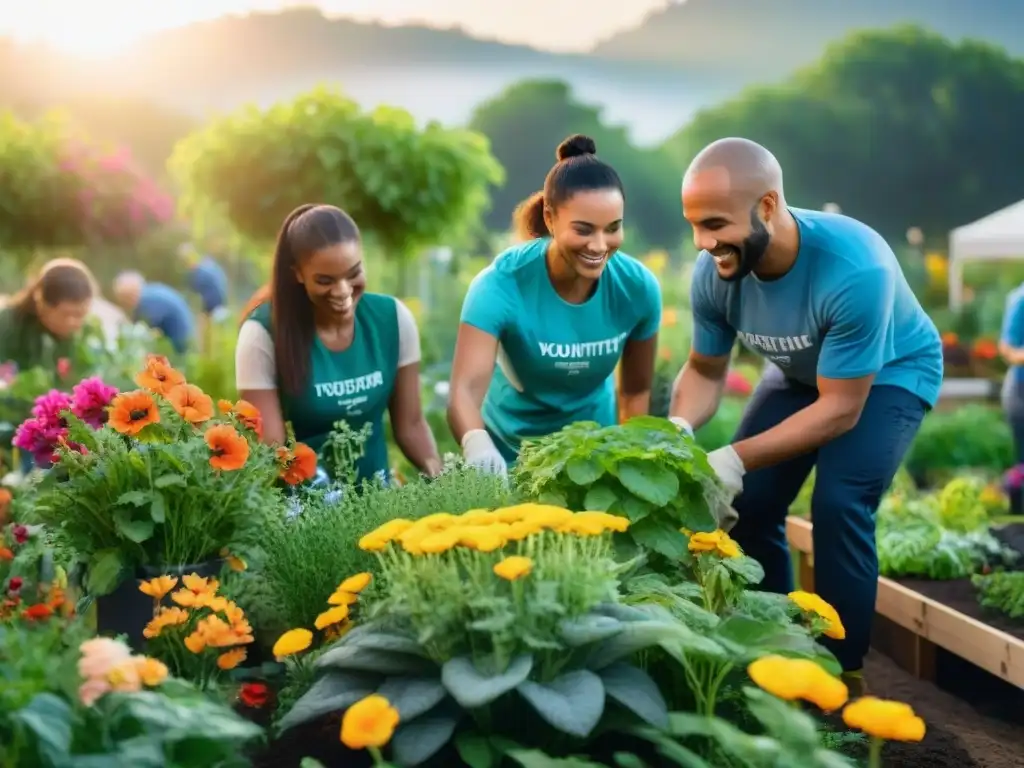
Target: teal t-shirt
844	311
353	385
556	360
1013	328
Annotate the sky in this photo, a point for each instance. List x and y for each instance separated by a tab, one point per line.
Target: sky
98	28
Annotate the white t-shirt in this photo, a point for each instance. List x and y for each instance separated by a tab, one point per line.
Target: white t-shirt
256	364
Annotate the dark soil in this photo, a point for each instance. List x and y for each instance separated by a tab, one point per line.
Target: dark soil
957	736
1012	536
960	595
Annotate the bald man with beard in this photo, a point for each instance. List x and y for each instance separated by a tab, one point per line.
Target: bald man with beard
853	365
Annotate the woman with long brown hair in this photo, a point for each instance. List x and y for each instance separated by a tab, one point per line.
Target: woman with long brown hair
324	349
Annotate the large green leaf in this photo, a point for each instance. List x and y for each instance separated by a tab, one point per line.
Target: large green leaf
104	571
641	635
418	740
583	471
412	696
471	688
600	498
573	703
659	535
352	656
332	692
588	628
635	690
136	529
648	480
385	641
49	718
746	568
534	758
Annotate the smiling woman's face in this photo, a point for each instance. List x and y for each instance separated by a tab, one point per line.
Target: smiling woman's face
334	279
587	228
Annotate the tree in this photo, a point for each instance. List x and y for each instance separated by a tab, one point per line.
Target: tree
528	120
407	187
900	127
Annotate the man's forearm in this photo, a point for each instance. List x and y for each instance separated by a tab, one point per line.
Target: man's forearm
804	431
695	397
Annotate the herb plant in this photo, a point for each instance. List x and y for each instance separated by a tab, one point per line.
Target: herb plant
1002	591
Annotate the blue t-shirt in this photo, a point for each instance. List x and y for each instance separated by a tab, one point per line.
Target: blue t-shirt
211	283
556	360
163	308
1013	327
843	311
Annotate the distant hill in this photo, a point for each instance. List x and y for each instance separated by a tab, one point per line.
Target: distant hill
651	79
768	40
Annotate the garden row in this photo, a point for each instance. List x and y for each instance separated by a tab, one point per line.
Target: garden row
457	621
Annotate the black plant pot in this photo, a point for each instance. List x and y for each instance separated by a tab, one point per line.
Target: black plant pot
1016	496
126	611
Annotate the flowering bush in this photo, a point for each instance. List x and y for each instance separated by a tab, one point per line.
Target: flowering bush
167	481
201	634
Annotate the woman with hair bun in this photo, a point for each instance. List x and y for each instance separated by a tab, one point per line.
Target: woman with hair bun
545	325
319	348
39	324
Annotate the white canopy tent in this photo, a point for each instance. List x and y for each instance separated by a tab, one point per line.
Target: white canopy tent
999	235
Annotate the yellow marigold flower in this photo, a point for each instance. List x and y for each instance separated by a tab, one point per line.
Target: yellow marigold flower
392	529
605	520
355	584
548	516
369	722
436	543
520	530
291	642
165	617
514	514
338	597
793	679
884	719
331	616
337	631
371	542
151	671
231	659
812	603
718	542
478	517
514	567
481	539
159	587
439	521
236	564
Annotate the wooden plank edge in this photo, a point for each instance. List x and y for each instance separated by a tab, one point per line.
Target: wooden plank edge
991	649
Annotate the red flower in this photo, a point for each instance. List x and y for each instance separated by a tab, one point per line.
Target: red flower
15	583
63	367
37	612
20	534
254	695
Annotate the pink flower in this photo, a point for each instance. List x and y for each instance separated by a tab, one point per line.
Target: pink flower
8	372
100	656
39	438
48	407
90	398
63	367
737	384
92	690
20	533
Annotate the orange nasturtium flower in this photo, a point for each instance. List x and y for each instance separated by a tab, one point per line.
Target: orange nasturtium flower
191	403
131	412
297	464
232	658
159	587
6	554
228	449
159	375
250	417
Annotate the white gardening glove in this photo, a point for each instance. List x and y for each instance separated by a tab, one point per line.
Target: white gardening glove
729	468
683	424
479	451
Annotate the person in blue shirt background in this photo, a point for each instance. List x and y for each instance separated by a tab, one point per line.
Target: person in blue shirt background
207	278
854	365
1011	347
545	325
158	305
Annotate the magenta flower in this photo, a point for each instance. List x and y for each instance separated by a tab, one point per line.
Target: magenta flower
1014	478
48	407
90	400
40	439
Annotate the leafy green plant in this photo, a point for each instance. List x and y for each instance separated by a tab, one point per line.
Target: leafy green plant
1002	591
644	470
972	436
480	614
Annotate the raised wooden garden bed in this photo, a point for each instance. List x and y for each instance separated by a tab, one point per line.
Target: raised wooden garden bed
925	624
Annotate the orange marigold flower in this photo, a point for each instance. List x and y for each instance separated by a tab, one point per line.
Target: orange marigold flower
297	464
159	375
6	554
231	659
191	403
229	450
131	412
159	587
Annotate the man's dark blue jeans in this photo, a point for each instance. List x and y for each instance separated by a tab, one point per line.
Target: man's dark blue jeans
852	473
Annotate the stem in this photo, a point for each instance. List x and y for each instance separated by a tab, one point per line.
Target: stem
378	759
875	752
713	687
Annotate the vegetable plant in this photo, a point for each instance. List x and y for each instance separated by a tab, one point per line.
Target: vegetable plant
1002	591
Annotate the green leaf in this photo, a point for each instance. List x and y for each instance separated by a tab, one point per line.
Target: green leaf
534	758
636	691
158	509
135	498
332	692
356	658
583	471
49	718
412	696
747	568
648	480
472	689
780	720
636	509
599	498
132	528
384	641
309	762
417	741
553	498
641	635
658	535
476	751
104	571
588	629
573	703
166	481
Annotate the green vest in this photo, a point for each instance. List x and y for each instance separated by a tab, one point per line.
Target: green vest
353	386
24	341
